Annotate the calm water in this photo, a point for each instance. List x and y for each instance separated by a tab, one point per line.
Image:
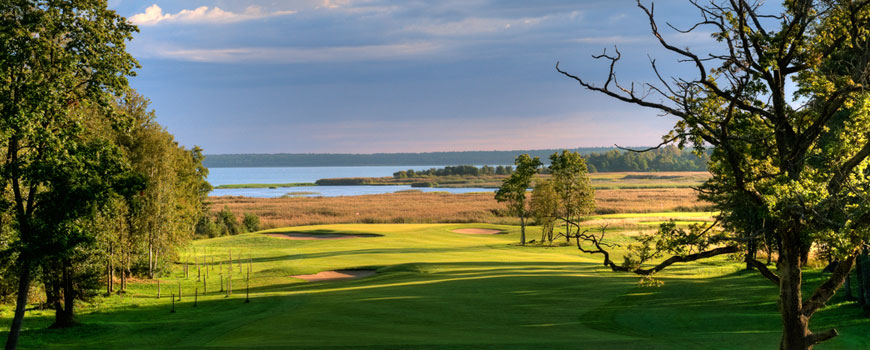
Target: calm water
229	176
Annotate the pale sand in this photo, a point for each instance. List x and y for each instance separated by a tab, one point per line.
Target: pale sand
298	236
477	231
334	275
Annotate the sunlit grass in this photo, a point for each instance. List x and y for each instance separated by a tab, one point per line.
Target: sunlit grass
434	289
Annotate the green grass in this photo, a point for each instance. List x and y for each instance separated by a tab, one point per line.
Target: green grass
292	184
436	289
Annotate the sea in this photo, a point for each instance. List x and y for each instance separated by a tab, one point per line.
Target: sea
230	176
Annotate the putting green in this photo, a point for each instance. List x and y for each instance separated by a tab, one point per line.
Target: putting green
434	289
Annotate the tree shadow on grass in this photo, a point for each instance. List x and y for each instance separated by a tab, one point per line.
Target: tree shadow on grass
465	305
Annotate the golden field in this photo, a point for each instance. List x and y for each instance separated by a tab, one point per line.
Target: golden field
417	207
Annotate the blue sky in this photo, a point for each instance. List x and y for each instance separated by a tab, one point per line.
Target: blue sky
345	76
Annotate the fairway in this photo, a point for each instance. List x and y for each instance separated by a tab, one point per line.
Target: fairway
434	289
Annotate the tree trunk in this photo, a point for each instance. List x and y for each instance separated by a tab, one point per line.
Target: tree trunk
20	305
751	252
64	317
522	230
52	296
848	288
156	261
150	260
863	274
123	279
794	324
859	276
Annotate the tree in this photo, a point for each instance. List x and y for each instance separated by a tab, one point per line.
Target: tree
54	56
571	182
513	189
251	222
164	214
802	164
544	206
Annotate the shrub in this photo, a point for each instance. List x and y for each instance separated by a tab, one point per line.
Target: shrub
251	222
228	223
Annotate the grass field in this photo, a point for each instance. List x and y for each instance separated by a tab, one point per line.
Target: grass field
416	207
436	289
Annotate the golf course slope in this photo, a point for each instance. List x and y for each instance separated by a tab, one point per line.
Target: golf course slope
433	289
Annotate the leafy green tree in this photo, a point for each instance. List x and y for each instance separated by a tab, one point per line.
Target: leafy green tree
251	222
164	215
513	189
228	223
54	56
801	166
571	183
544	207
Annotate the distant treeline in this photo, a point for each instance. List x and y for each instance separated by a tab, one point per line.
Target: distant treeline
669	158
458	170
664	159
379	159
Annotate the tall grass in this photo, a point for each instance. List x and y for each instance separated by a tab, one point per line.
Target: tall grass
416	207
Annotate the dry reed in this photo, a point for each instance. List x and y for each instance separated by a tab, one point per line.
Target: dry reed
418	207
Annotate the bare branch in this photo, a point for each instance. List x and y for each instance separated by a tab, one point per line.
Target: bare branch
665	142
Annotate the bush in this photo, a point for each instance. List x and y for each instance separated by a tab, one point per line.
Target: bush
205	227
228	223
251	222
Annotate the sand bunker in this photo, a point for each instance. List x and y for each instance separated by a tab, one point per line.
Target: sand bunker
335	275
477	231
299	236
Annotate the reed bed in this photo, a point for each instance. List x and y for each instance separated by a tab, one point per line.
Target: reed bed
416	207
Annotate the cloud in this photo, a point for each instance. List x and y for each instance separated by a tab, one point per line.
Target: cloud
288	55
154	15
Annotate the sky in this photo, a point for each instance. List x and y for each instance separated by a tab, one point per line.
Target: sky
367	76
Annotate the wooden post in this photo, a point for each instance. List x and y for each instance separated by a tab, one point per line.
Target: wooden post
195	296
173	304
158	288
222	282
205	285
179	290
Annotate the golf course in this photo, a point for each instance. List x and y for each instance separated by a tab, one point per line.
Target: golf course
427	286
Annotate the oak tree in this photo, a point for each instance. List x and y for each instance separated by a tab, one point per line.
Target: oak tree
800	159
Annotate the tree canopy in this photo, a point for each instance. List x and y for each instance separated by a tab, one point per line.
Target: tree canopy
797	160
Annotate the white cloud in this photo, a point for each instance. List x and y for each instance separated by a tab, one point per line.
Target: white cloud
154	15
296	54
